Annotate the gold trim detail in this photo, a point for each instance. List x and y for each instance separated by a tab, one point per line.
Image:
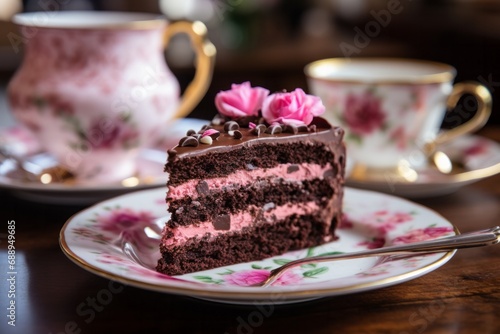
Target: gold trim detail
446	74
41	20
364	174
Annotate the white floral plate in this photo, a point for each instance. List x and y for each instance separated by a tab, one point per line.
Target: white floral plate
149	174
117	239
476	158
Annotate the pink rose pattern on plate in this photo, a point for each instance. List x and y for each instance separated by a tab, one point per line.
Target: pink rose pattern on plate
422	235
119	219
258	273
130	266
250	277
128	226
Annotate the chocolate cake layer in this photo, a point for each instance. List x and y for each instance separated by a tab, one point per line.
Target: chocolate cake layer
227	154
249	158
188	211
255	243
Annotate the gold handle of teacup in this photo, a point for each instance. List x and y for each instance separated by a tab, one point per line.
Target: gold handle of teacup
484	103
205	60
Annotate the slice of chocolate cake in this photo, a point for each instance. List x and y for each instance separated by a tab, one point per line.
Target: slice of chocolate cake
249	187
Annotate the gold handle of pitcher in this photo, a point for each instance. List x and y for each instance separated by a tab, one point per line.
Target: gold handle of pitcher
205	60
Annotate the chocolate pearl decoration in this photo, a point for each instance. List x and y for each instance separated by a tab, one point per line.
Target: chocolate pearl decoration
231	126
182	140
303	128
237	134
218	120
212	133
261	128
291	129
205	128
207	140
274	129
188	141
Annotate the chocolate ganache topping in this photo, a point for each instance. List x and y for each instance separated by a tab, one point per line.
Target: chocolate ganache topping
224	134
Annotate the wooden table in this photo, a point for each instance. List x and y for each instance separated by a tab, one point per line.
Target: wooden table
53	295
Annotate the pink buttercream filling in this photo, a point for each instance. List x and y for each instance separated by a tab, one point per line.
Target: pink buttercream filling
238	222
305	171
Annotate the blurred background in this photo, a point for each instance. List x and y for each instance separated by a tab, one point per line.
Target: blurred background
268	42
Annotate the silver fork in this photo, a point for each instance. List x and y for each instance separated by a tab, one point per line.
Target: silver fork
486	237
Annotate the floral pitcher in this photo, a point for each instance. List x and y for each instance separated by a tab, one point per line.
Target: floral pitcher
94	87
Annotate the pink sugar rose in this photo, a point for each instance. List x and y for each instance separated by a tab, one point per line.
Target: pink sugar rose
293	108
241	100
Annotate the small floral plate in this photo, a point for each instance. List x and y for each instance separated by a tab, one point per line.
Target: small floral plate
149	174
118	239
474	158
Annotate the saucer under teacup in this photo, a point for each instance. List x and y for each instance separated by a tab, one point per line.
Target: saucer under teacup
466	160
401	174
149	172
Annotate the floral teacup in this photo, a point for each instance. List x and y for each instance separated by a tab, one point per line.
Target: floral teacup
392	109
94	87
